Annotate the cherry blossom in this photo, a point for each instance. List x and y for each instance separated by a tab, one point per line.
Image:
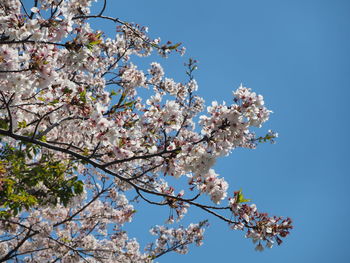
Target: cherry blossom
78	135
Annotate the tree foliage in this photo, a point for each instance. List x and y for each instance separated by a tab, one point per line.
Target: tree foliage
76	136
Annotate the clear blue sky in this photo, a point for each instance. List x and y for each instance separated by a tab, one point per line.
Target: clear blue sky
297	54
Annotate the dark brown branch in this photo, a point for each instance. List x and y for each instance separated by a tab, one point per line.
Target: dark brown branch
56	124
95	150
69	145
103	8
19	244
141	157
103	168
38	92
81	209
143	173
15	71
41	118
117	20
35	5
53	11
116	62
24	9
7	105
71	248
149	201
24	41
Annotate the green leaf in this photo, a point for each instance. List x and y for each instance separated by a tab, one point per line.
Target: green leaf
240	197
23	175
82	96
129	104
22	124
78	187
174	46
89	46
43	138
4	124
96	42
67	90
55	101
113	93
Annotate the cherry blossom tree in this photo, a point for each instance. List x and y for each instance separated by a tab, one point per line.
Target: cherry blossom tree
77	137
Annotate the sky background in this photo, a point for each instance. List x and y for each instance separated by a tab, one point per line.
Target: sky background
296	54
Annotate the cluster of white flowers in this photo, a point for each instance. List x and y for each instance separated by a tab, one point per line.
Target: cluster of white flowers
67	233
227	127
214	186
251	106
74	92
176	238
132	78
261	228
156	72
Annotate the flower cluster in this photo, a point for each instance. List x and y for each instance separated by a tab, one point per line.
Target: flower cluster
176	239
211	184
74	234
260	227
73	101
227	127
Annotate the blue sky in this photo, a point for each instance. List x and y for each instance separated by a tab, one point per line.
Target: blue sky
295	53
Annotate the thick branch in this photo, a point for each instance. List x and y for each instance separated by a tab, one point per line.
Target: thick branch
103	168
